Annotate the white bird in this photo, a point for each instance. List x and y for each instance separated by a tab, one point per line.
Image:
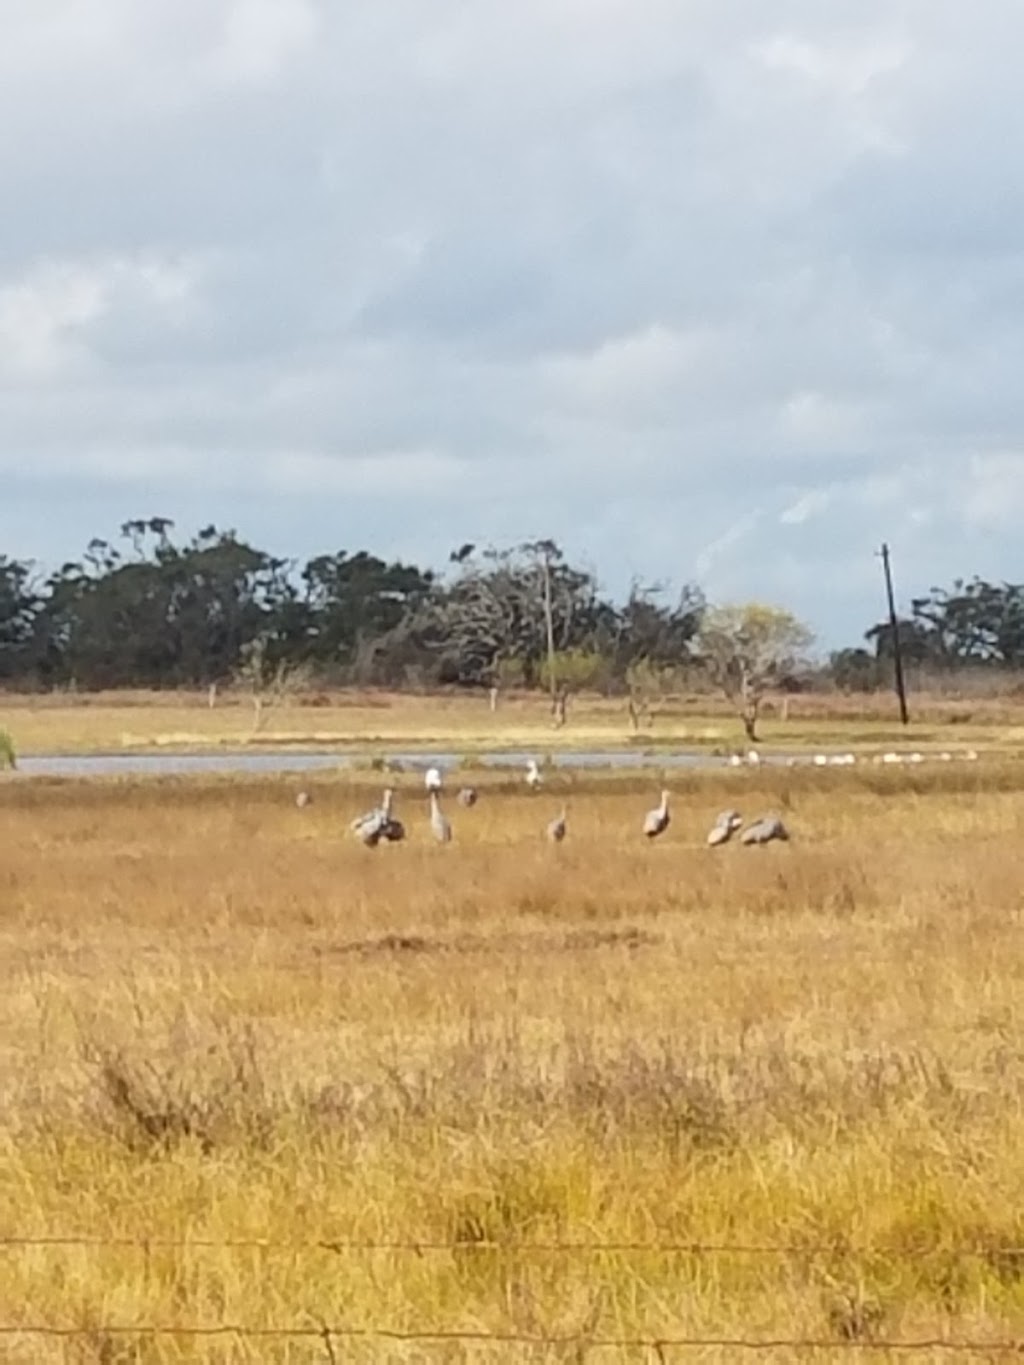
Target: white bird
432	779
891	758
302	800
556	828
945	756
971	755
657	821
724	828
533	777
915	758
467	796
753	758
763	831
820	760
440	825
735	761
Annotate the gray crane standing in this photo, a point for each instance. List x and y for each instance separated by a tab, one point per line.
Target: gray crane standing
440	825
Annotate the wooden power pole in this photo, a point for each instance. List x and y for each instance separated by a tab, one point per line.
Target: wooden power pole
894	629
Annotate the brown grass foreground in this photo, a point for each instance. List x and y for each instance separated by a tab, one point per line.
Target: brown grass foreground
223	1019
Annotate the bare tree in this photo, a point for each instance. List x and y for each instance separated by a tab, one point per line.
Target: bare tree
268	683
749	648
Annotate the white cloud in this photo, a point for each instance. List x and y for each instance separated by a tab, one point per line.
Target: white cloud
842	67
259	38
40	316
716	550
810	505
994	493
614	272
49	315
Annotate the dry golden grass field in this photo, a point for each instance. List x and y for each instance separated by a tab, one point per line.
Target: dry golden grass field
224	1020
144	722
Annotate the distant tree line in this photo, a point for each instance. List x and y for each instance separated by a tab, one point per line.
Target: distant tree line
972	626
150	610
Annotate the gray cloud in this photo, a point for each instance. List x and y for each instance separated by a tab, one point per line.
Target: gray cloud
725	290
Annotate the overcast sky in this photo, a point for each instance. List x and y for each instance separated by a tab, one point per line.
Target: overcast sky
709	290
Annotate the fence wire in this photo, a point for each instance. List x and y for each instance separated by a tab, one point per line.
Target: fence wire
660	1347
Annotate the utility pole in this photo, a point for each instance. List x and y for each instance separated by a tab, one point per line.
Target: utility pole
894	627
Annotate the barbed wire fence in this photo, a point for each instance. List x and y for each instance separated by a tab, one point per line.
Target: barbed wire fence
659	1347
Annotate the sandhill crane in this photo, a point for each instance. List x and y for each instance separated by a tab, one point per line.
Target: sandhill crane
467	796
556	828
432	779
657	821
763	831
724	828
440	825
379	823
378	812
533	777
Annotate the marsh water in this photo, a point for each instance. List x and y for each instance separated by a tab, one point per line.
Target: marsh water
131	765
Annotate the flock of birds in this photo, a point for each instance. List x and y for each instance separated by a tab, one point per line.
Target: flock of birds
752	759
381	825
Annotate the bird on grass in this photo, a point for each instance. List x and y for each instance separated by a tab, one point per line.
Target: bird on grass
432	779
374	825
302	800
763	831
657	821
724	828
533	777
556	828
440	825
467	797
